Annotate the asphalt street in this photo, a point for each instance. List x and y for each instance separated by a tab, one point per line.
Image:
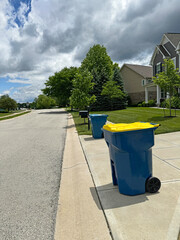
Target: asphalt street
31	152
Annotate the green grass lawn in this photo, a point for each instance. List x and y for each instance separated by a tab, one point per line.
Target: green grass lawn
135	114
5	114
9	115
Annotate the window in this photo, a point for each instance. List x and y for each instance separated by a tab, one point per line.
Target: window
158	67
149	80
143	82
163	94
174	61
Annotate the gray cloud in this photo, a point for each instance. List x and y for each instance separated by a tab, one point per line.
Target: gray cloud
60	33
30	30
70	25
142	34
139	9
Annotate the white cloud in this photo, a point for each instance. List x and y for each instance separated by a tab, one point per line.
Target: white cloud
59	34
6	92
18	81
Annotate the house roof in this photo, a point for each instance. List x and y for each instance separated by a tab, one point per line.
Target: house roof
173	37
144	71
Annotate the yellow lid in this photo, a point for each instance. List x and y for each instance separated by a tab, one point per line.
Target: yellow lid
123	127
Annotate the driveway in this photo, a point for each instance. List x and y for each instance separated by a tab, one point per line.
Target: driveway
31	151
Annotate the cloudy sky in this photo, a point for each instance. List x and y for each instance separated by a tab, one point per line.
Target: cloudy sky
40	37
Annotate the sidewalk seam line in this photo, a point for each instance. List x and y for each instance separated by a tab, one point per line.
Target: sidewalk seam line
165	161
66	168
171	181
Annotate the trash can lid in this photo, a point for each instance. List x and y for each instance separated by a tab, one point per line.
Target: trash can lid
98	115
123	127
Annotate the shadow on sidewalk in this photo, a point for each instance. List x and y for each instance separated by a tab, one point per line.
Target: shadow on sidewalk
92	139
69	126
111	198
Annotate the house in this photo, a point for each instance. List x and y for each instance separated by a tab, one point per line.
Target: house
135	77
169	48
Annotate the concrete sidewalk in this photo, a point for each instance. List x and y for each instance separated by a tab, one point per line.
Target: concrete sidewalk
79	215
84	215
146	216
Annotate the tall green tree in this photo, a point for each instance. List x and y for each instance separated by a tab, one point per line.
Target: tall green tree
117	76
97	61
59	85
100	65
168	80
44	102
7	103
113	91
82	85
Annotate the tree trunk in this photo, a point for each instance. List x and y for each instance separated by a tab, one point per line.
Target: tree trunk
111	104
170	105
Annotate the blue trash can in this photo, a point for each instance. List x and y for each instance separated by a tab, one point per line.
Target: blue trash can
97	122
131	157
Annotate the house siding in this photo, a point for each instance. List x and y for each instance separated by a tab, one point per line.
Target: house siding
133	85
159	57
132	80
173	53
170	49
140	96
137	97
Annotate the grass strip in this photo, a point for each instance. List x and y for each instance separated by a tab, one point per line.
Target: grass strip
13	116
135	114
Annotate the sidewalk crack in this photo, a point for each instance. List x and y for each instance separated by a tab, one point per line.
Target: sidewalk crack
65	168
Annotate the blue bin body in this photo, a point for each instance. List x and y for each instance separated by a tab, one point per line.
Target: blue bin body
131	159
97	122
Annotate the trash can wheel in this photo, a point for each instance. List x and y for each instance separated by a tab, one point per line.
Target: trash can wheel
153	184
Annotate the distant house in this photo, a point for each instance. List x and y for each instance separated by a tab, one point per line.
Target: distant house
169	48
135	78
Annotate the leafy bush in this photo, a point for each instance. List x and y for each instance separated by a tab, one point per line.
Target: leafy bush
145	104
175	102
163	104
3	110
152	103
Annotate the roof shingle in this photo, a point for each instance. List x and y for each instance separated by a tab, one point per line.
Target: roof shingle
144	71
174	38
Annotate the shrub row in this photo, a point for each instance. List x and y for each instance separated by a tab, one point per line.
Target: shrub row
151	103
175	103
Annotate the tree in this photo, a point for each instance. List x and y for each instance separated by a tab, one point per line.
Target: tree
59	85
100	65
117	76
7	103
97	61
82	84
112	91
44	102
168	80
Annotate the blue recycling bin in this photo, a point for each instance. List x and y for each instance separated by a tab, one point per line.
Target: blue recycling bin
97	122
130	149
